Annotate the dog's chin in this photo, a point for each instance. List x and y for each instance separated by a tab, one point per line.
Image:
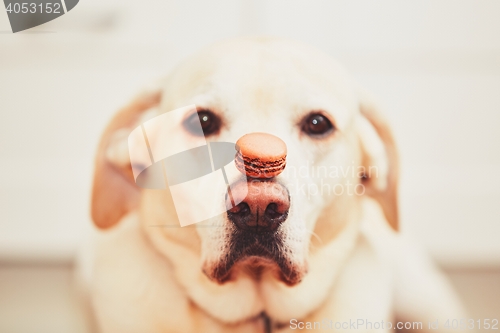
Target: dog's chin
255	255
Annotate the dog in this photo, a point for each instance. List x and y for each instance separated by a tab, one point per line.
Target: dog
334	259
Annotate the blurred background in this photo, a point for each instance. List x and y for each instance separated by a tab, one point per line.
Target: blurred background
434	65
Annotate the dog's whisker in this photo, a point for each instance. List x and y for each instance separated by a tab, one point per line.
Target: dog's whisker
315	235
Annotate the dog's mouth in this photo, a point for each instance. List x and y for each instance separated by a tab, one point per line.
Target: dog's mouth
254	254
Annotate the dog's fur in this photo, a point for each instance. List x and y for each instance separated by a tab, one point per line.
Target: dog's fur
343	257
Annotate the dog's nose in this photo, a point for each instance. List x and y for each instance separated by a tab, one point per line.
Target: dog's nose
262	207
260	155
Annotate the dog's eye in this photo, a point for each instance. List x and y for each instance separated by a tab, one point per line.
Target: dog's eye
210	123
316	124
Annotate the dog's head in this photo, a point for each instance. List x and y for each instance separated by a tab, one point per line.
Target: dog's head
338	147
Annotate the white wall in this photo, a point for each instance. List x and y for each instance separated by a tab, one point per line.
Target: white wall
434	65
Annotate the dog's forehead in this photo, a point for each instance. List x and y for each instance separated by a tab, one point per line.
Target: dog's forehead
262	71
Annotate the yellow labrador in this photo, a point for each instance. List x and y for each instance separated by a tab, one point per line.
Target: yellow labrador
330	258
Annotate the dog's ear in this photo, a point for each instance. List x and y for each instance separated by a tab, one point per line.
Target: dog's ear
114	191
380	159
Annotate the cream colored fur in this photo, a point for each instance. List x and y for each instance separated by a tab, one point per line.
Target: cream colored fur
148	277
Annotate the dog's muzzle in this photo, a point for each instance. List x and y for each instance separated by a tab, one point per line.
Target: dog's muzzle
255	240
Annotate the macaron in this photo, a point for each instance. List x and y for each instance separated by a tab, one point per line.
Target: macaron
260	155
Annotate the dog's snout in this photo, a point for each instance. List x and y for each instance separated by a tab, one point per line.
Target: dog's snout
263	206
